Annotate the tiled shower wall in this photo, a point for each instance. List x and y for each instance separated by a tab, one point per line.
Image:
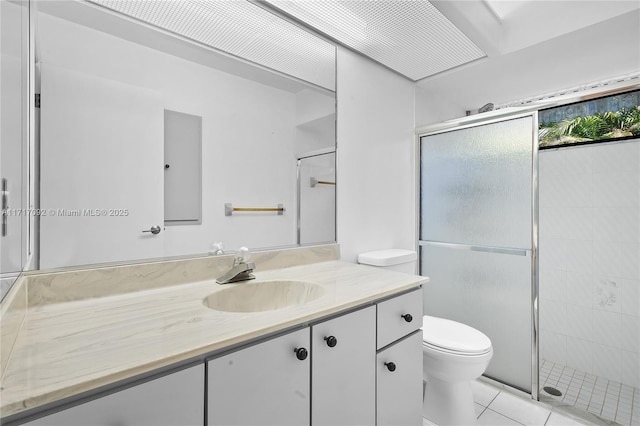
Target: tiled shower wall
589	240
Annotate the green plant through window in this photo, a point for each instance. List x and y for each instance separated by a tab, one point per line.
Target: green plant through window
598	126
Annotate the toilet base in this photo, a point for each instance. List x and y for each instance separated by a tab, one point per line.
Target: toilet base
448	403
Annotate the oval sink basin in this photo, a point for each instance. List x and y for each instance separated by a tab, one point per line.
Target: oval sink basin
259	296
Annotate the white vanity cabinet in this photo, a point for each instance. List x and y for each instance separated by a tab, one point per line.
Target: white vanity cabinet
272	384
342	372
174	399
360	368
399	361
264	384
344	379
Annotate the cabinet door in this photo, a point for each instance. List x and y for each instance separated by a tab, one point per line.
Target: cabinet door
343	370
176	399
265	384
400	390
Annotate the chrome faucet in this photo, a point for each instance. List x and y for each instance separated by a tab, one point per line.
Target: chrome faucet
242	270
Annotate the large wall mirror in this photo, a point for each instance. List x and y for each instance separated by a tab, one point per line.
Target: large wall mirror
167	126
15	250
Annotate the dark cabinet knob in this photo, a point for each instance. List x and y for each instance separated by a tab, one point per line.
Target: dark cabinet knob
301	353
166	166
331	341
407	317
390	366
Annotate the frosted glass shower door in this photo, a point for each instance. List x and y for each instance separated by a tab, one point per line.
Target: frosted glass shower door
476	237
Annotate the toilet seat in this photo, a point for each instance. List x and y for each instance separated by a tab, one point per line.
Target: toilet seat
453	337
427	345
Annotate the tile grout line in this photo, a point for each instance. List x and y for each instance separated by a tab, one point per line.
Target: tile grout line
633	405
615	417
493	399
505	416
481	412
570	382
487	407
510	418
484	408
582	386
604	402
591	395
566	394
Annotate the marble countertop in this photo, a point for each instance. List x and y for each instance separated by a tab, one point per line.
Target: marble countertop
65	349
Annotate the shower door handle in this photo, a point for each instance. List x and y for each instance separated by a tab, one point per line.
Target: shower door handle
486	249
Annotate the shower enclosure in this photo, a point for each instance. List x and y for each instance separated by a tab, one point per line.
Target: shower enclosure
540	248
590	260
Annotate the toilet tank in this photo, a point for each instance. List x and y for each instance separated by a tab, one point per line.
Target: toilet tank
392	259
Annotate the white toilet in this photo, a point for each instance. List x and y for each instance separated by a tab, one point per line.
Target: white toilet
453	354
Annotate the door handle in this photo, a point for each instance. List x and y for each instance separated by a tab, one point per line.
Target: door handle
5	206
154	229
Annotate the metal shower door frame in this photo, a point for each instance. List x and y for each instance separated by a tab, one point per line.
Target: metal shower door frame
470	122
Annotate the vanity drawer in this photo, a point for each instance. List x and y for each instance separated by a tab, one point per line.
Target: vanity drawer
399	316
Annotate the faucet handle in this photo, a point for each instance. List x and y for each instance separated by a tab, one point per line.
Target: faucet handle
243	255
216	248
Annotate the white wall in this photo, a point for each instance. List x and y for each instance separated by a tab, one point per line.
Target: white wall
590	259
598	52
375	182
248	133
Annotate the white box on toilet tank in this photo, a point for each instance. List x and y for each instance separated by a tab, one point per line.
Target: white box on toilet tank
398	260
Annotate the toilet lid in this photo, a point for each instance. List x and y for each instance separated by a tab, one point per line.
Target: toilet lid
453	336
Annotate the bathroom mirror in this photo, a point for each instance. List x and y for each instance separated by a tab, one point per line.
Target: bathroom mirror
156	140
15	250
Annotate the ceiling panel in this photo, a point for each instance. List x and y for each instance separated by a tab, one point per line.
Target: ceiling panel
410	37
242	29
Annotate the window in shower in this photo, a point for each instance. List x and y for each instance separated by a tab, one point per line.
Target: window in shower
597	120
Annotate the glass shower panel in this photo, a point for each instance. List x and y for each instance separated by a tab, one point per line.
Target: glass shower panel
317	199
490	292
476	185
476	237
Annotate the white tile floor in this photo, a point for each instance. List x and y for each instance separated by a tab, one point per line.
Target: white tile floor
498	407
607	399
